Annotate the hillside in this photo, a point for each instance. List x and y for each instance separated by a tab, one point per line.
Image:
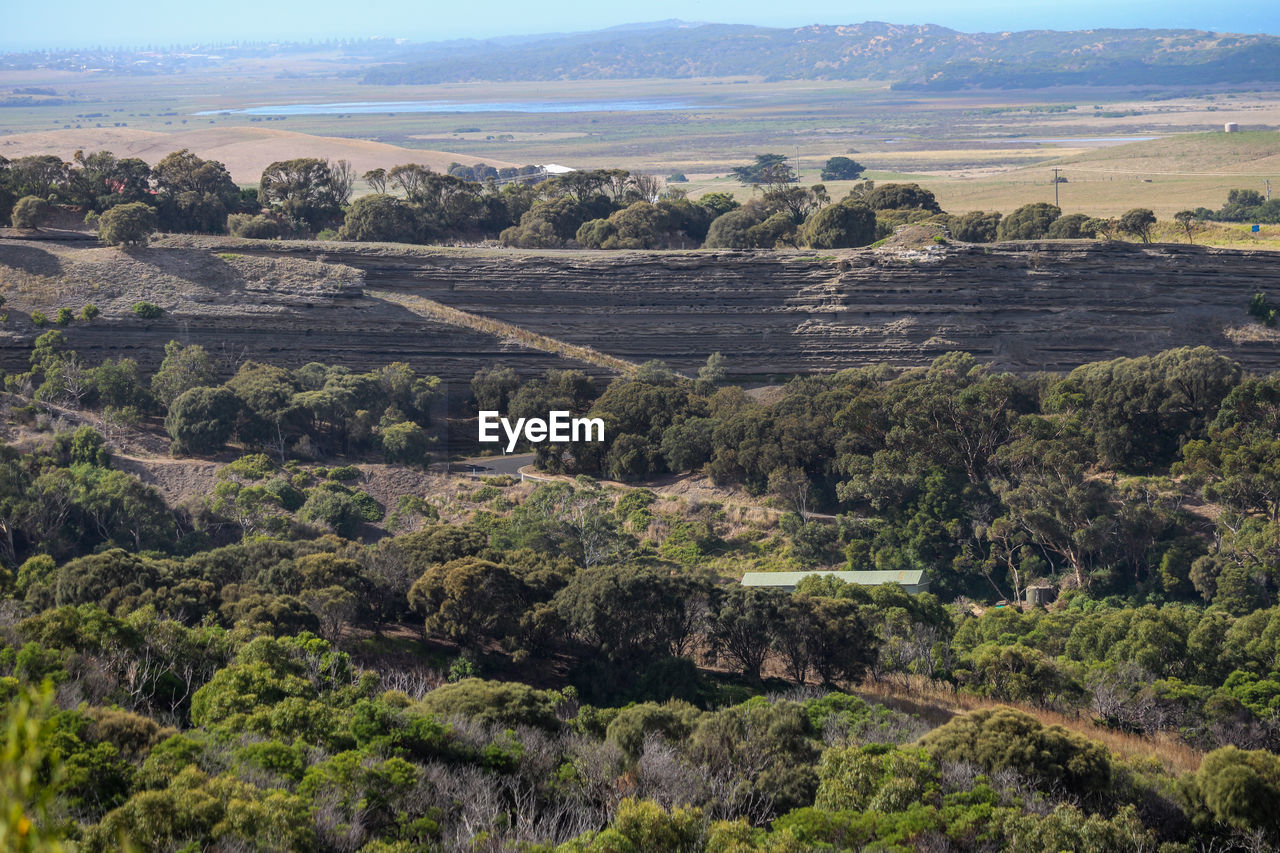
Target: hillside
923	57
245	151
1023	306
293	632
284	310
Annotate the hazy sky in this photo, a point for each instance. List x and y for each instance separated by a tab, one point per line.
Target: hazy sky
138	22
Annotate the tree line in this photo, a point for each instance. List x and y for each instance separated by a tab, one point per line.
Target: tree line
521	207
1242	206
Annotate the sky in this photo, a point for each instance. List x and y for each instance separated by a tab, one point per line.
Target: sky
132	23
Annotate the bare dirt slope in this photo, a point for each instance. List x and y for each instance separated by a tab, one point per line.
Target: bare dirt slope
245	151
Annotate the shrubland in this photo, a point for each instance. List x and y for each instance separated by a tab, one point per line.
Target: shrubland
288	663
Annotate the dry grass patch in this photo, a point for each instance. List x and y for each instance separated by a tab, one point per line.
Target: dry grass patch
938	702
1249	333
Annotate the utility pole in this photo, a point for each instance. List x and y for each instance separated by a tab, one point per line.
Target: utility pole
1055	187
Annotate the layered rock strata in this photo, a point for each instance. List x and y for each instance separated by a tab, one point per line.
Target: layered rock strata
1024	306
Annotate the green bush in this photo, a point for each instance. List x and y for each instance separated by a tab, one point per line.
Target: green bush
88	312
64	317
464	666
731	230
30	212
380	218
291	498
840	226
129	224
342	512
494	703
1029	222
1073	226
975	226
483	494
1240	788
1138	223
201	420
40	319
258	227
147	310
84	445
877	778
901	197
406	444
251	466
1007	739
367	506
1260	309
415	505
672	720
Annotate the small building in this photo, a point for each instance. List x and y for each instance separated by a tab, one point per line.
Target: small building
1231	127
1041	594
911	581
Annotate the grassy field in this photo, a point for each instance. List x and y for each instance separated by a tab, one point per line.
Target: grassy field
1174	173
1167	175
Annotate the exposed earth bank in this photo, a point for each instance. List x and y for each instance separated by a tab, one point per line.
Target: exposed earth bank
1023	306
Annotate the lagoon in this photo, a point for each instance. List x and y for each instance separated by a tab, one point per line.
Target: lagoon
391	107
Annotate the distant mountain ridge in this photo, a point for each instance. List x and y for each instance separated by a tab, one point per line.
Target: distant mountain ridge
917	56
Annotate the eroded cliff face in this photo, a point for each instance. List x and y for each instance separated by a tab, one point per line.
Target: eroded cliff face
283	310
1023	306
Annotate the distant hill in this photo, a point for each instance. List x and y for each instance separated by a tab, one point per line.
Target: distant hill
922	57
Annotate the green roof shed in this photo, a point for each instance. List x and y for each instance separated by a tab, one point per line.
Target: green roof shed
911	581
